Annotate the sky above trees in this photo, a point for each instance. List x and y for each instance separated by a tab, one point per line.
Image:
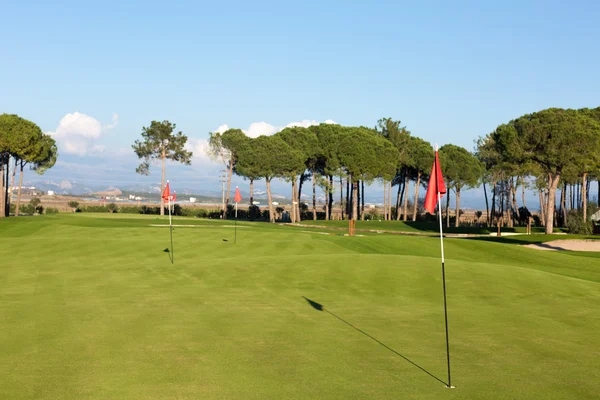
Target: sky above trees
92	75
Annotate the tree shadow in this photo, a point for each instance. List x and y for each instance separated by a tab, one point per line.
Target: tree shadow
320	307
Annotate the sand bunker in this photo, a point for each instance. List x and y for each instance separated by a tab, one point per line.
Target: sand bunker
573	245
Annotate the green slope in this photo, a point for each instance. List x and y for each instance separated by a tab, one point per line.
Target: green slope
92	308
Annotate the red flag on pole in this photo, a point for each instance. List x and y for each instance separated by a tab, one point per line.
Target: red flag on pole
166	193
174	197
238	195
436	185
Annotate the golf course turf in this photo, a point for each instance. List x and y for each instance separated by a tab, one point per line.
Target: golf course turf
92	308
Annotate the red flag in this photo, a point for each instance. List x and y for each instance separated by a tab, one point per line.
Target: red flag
166	193
174	197
436	185
238	195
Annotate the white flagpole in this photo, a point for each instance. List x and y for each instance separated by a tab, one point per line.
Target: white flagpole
171	229
443	273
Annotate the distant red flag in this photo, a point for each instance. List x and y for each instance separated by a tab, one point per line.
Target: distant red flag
436	185
238	195
166	193
174	199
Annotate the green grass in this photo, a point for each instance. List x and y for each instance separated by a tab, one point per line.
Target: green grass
92	308
418	227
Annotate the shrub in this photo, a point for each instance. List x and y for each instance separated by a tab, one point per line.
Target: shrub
73	204
253	212
51	210
265	215
112	208
577	225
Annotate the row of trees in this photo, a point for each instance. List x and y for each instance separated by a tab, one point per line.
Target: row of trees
551	149
328	152
22	144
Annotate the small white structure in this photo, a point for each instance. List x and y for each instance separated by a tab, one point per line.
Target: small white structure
192	199
256	203
138	198
50	192
132	197
275	203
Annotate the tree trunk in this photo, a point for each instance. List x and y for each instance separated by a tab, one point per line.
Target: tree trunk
448	208
270	200
12	183
415	206
493	202
162	183
293	209
342	197
552	184
402	194
563	202
587	190
405	207
354	200
251	191
584	195
300	184
523	193
330	189
314	184
457	219
19	190
358	196
384	201
514	199
487	206
348	205
2	199
542	208
6	198
362	199
398	202
390	200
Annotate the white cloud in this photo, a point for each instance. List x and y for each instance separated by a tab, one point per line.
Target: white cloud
222	128
76	133
115	122
200	146
257	129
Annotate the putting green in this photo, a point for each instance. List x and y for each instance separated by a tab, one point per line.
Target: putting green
92	308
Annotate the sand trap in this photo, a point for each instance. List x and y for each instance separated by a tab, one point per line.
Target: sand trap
573	245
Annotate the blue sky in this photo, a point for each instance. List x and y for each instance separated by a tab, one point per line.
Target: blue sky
451	71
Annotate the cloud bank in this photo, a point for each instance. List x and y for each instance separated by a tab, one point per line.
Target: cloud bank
76	133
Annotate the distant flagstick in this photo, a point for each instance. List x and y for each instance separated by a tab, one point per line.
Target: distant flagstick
436	182
167	196
237	199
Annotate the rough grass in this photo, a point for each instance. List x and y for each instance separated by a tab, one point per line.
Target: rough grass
92	308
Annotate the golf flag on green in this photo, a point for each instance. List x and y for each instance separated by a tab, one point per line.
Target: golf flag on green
435	188
166	194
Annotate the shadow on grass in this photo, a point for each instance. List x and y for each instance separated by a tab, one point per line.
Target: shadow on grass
320	307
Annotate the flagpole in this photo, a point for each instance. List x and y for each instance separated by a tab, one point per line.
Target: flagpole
171	228
444	285
235	229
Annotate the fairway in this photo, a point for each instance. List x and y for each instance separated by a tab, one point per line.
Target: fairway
92	308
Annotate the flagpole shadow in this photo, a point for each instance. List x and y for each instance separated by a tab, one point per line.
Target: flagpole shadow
320	307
